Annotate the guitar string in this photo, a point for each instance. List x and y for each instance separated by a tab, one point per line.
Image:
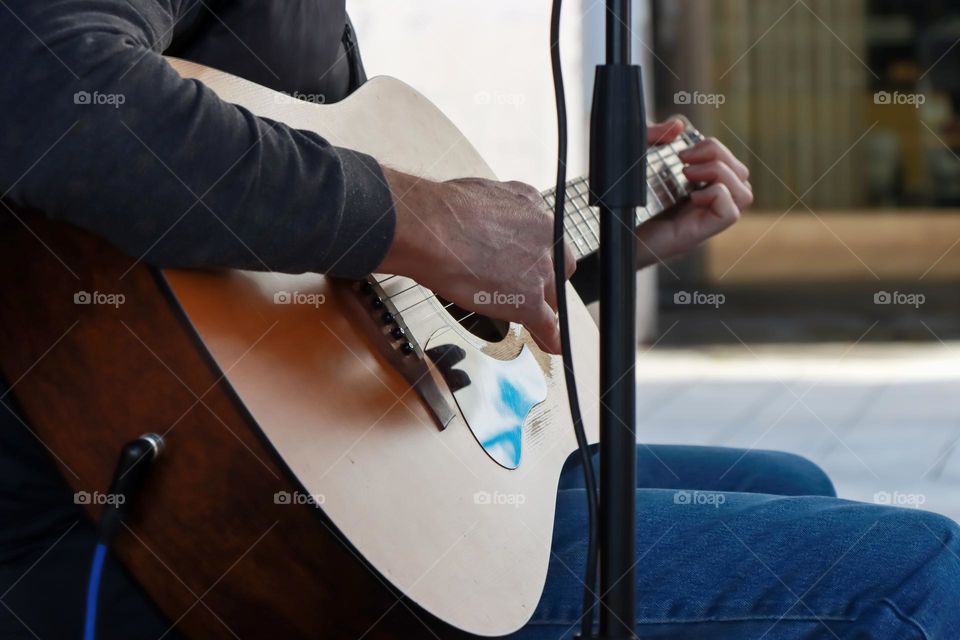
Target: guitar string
670	163
688	137
679	182
653	175
643	214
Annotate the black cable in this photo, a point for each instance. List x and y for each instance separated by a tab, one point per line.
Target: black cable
559	262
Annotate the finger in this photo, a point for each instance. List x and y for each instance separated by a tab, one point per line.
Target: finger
720	172
522	189
664	132
542	325
712	149
717	199
570	265
550	291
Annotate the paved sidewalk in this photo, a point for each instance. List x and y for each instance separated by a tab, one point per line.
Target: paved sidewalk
882	420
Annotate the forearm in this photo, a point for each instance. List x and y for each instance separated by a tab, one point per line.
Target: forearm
173	174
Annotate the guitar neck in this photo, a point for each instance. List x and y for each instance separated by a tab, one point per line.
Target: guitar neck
666	187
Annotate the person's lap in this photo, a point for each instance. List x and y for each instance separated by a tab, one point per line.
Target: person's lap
719	556
755	566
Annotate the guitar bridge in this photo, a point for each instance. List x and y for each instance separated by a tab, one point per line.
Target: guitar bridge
398	343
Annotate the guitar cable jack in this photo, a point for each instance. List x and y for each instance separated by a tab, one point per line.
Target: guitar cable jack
133	464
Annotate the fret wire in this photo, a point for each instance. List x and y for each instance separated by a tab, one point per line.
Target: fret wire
664	204
639	217
581	229
670	166
664	185
586	204
549	198
582	239
569	208
678	176
663	164
576	214
586	207
653	190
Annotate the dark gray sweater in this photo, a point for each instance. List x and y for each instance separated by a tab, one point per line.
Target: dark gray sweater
100	131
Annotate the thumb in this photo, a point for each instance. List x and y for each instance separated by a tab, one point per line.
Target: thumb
663	132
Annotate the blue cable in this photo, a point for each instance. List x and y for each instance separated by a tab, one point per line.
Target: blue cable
93	591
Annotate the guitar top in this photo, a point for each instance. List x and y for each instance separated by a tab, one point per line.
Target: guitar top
348	442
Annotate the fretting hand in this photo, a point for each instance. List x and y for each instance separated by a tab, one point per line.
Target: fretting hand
709	211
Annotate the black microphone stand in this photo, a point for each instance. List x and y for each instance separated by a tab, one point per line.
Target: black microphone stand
618	141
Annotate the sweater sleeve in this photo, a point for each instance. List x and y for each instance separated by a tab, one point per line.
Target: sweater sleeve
105	134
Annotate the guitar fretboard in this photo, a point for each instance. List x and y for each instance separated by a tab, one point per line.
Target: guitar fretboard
666	187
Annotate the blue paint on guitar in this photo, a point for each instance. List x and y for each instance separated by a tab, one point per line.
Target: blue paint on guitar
495	396
508	441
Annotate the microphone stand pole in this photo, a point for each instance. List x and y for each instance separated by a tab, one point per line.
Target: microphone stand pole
617	186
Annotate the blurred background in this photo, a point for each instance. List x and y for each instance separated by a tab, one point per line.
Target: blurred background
833	322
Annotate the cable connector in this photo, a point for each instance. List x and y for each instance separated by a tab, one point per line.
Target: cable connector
136	459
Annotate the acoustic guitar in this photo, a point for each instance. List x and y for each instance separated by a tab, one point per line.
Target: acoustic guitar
343	459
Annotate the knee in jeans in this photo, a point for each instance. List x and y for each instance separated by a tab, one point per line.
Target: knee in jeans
943	531
932	544
799	476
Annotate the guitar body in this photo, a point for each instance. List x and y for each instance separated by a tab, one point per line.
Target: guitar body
318	481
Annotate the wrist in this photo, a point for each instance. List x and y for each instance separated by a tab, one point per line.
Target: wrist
410	251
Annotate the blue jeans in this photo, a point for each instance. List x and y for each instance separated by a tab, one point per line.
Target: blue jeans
754	544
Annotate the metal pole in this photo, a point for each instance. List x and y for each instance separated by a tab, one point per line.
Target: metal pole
618	185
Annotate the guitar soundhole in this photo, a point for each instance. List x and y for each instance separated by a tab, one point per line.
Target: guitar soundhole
483	327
